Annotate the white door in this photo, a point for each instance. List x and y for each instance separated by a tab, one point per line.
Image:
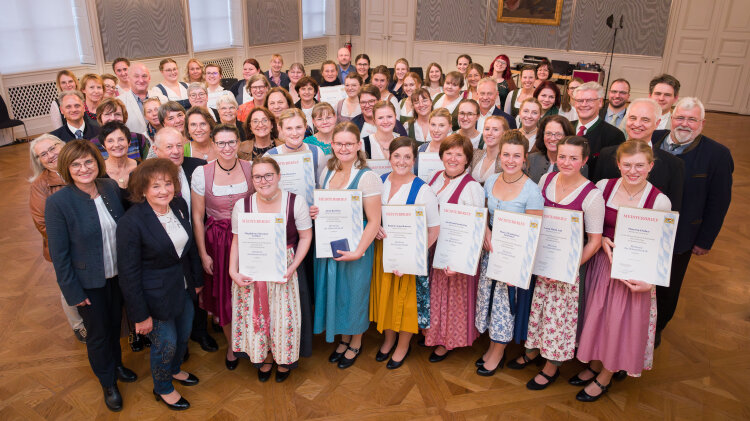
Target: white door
389	30
375	20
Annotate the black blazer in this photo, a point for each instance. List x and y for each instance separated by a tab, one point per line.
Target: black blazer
359	121
75	237
511	121
90	131
284	79
152	275
708	182
667	175
600	136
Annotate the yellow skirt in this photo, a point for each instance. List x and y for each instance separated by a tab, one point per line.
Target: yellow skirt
393	299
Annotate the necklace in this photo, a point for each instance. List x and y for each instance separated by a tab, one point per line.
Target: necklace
270	199
286	145
229	171
511	182
632	196
162	214
451	177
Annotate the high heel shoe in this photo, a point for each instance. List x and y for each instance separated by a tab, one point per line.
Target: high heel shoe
393	364
180	405
585	397
190	381
515	365
231	365
382	356
487	373
479	362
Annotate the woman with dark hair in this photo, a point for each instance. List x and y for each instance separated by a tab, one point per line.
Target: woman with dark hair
330	74
566	104
81	219
308	89
348	107
418	127
434	80
115	138
462	63
451	95
500	71
199	124
381	79
396	87
262	134
362	64
542	72
160	270
543	157
250	68
278	100
548	95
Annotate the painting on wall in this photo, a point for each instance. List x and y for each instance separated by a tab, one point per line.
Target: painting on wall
535	12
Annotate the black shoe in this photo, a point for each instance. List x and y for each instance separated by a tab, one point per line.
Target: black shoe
187	355
435	358
577	381
585	397
180	405
487	373
380	357
80	334
515	365
479	362
657	339
207	343
348	362
533	385
620	375
263	376
336	356
125	375
282	375
231	365
217	327
136	342
190	381
393	364
112	398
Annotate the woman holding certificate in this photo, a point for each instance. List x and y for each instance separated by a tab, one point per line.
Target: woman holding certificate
486	160
501	308
342	284
400	303
268	316
292	126
452	294
376	145
553	321
216	186
620	319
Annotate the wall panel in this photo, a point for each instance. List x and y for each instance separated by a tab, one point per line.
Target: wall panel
452	21
273	21
349	17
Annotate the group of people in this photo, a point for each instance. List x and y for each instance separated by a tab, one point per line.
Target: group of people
139	191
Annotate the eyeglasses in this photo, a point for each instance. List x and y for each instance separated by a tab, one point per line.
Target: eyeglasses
638	167
212	73
222	145
553	135
463	114
89	163
268	177
586	100
690	120
198	95
258	88
340	145
368	103
46	153
257	122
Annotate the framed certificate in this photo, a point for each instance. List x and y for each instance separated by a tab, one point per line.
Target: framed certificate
262	246
461	235
514	242
339	218
380	166
332	94
405	244
429	163
297	173
558	254
644	242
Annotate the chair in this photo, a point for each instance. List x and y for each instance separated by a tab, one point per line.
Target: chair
6	122
228	82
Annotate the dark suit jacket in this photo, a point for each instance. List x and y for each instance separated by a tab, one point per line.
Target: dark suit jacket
189	165
359	121
667	175
284	79
152	275
506	116
89	132
707	189
75	237
600	136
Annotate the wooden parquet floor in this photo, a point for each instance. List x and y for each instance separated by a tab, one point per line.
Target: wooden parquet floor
702	369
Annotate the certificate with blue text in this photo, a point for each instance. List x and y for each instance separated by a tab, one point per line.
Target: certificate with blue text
297	174
558	254
428	164
339	218
644	241
262	246
514	243
461	235
405	243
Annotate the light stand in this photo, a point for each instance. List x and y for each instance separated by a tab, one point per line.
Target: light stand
610	23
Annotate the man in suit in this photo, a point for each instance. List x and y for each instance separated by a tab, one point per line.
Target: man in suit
169	144
139	78
588	100
76	124
615	107
344	67
708	181
664	89
275	75
486	96
667	174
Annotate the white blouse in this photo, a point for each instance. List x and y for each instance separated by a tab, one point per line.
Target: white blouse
593	204
213	96
171	95
369	183
440	103
375	150
302	218
472	194
662	202
476	173
198	185
109	238
425	197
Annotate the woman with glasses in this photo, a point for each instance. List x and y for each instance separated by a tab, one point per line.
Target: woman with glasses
172	88
324	120
199	124
468	115
362	65
213	84
257	86
198	97
216	187
543	158
227	107
348	107
262	134
500	71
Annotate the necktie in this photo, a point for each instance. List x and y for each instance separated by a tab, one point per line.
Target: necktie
673	146
79	134
581	130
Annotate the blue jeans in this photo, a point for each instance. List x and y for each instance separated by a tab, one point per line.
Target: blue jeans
169	340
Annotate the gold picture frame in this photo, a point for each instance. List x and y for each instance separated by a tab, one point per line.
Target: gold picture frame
534	12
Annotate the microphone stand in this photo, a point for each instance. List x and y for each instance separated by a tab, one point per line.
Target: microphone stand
610	21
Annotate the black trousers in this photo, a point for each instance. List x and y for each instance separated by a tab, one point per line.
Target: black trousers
666	297
200	325
102	320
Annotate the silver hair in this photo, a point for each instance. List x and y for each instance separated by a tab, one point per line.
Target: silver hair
690	102
488	80
36	165
164	131
195	86
590	86
77	93
654	106
228	98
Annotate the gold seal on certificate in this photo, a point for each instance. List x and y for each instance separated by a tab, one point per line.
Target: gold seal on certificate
558	254
405	243
339	218
297	174
514	243
380	166
644	241
428	164
461	235
262	246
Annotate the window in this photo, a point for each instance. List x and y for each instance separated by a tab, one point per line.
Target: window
215	24
315	18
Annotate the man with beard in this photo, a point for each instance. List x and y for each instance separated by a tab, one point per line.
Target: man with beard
619	95
708	182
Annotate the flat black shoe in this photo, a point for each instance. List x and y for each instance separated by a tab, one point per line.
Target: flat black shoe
207	343
533	385
435	358
577	381
585	397
263	376
515	365
136	342
80	334
112	398
380	357
180	405
282	375
190	381
217	327
336	356
393	364
482	371
348	362
125	375
620	375
479	362
231	365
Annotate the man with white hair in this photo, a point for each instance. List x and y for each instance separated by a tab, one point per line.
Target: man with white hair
139	78
667	174
708	182
486	96
588	100
344	67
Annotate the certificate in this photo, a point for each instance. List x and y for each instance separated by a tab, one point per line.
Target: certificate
644	241
558	254
339	218
514	242
332	94
460	241
405	244
262	246
429	163
380	166
297	174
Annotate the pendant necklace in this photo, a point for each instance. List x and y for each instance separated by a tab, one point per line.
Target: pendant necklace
229	171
